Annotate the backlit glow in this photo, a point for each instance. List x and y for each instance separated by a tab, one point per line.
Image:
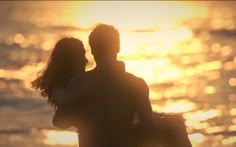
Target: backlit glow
229	141
196	137
201	115
19	38
179	106
160	42
53	137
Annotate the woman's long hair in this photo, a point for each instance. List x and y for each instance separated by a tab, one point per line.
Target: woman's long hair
66	60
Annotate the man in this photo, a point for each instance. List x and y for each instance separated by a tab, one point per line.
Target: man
106	99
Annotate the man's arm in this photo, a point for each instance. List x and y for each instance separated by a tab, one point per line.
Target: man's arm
144	108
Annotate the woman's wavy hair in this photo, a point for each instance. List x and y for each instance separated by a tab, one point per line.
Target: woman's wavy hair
66	60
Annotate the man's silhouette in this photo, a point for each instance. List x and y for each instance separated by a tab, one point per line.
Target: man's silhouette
106	99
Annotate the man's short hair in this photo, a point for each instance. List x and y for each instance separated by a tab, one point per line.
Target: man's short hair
104	40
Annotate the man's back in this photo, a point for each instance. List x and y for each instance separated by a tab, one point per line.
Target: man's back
111	106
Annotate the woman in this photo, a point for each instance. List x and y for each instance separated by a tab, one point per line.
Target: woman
67	60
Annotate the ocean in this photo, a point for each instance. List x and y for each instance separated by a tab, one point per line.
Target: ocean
185	51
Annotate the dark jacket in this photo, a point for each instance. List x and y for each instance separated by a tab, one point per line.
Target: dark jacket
104	114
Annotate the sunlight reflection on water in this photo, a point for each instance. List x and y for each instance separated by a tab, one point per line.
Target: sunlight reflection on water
54	137
179	57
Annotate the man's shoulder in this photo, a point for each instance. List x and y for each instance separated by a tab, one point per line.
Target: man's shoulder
131	76
134	84
133	80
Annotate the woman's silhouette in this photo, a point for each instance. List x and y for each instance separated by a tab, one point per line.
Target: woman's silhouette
67	60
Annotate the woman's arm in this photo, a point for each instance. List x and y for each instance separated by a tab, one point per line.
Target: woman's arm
68	99
71	94
77	90
63	117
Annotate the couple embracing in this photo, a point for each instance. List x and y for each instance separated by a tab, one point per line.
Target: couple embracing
101	103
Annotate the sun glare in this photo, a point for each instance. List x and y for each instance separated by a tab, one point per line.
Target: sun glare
179	106
53	137
196	138
157	43
202	115
174	107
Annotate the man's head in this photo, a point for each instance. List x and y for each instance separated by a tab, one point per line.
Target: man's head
104	41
